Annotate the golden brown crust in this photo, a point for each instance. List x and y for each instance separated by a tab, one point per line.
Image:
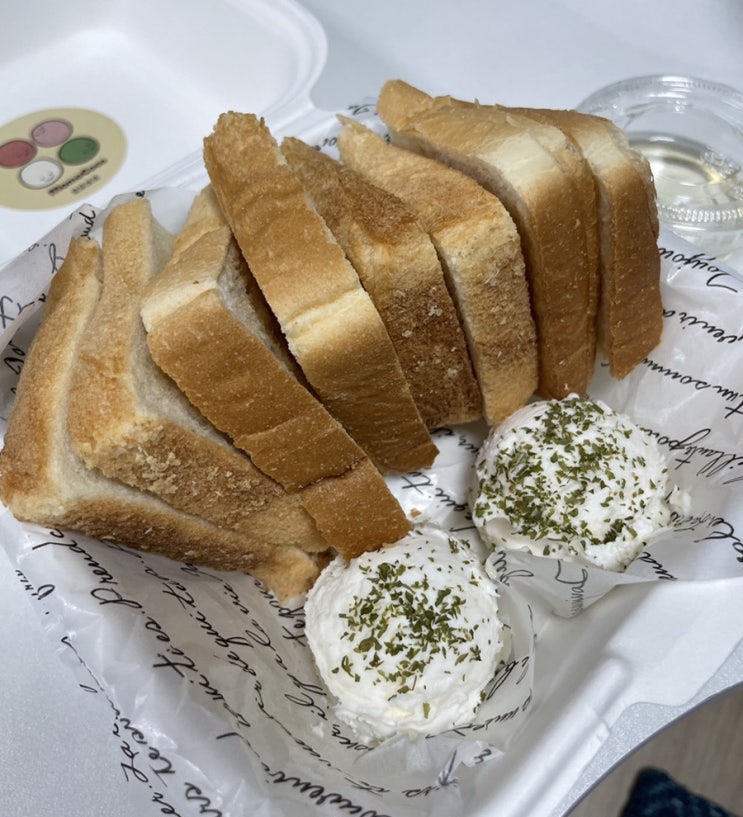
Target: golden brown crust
509	160
43	481
399	268
331	325
223	355
479	244
630	314
262	408
132	423
356	512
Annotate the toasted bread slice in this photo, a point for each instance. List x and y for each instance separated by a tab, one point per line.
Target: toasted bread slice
507	155
331	325
399	268
210	330
481	253
630	315
42	480
129	420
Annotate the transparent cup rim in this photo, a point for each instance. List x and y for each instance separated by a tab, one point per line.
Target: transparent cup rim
620	99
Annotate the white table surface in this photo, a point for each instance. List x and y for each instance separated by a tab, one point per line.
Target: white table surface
57	756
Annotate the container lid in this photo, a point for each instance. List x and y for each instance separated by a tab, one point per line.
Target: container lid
691	132
114	93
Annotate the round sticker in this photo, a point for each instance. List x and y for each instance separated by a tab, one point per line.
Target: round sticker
56	157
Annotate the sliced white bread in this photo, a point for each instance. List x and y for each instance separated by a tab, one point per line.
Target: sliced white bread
209	329
399	268
509	156
130	421
630	314
42	480
479	246
331	325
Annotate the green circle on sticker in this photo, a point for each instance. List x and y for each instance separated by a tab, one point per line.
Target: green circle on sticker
79	150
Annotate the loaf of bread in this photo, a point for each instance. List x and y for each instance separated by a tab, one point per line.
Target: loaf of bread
331	325
481	253
400	269
533	173
42	480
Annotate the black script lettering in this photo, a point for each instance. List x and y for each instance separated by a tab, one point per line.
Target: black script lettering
577	587
180	594
103	576
724	280
15	360
697	261
238	716
307	701
180	661
360	108
348	743
424	792
236	661
10	309
211	691
717	461
687	320
318	793
499	563
154	627
725	532
416	481
130	767
194	795
671	374
109	595
55	259
165	807
88	217
657	567
449	501
259	635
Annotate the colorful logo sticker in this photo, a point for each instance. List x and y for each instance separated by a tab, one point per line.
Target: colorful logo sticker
53	158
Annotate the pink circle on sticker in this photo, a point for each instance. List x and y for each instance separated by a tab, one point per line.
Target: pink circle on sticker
16	153
41	173
51	132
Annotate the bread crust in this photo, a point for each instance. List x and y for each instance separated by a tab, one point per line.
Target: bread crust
630	315
223	351
510	161
332	327
480	247
43	481
399	268
133	424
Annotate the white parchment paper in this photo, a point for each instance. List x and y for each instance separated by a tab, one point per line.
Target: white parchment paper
216	706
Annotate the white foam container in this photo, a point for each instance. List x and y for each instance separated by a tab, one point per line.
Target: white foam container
162	69
629	665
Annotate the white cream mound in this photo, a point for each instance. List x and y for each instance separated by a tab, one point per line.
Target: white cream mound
406	638
571	479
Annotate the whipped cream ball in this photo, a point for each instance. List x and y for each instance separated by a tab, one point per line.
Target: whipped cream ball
571	479
407	637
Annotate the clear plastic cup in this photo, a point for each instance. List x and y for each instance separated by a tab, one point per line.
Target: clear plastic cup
691	132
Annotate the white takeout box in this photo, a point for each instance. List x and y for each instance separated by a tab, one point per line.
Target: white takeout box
603	681
163	70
